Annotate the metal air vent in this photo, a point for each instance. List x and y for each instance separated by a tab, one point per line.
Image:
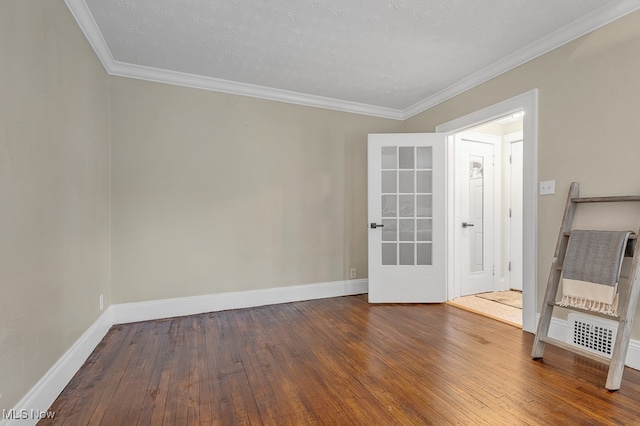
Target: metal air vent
592	333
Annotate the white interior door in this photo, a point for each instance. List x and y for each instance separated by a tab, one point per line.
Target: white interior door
475	187
515	217
406	191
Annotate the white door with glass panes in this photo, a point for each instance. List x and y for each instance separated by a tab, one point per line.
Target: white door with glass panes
406	218
475	214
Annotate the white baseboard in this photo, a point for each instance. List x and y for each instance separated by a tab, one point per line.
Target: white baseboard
167	308
38	400
559	330
633	355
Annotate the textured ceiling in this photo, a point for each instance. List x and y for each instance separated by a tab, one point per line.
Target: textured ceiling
383	53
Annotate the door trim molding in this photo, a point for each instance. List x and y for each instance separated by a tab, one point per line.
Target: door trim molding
527	102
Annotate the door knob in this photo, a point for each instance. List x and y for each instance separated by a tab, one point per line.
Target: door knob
376	225
465	224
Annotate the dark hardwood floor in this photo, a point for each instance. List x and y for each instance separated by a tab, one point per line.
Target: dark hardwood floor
338	361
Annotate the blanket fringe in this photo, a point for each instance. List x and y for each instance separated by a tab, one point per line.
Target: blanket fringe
590	305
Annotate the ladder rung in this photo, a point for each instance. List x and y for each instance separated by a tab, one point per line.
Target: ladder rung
585	311
612	199
576	349
632	235
629	249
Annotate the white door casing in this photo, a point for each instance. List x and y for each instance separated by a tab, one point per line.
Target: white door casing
528	103
406	189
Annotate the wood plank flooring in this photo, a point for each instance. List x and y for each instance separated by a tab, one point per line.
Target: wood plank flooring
338	361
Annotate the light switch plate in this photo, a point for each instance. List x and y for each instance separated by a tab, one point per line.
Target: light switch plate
548	187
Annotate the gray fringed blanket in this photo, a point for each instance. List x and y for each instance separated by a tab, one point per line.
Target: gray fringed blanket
591	270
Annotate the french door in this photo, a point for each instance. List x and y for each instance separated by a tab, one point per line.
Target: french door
406	209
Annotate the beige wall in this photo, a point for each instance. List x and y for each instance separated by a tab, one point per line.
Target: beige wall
54	190
212	192
215	193
589	131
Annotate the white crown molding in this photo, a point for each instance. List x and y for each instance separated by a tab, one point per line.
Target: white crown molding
591	22
244	89
89	27
585	25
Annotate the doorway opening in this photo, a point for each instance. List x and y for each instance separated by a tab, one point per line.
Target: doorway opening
488	208
482	144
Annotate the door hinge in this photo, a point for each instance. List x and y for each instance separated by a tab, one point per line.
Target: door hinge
509	212
510	159
494	271
509	266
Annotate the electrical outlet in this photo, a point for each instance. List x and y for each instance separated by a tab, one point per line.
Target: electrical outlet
101	302
352	273
548	187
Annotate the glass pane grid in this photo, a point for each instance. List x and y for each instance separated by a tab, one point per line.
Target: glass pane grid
407	208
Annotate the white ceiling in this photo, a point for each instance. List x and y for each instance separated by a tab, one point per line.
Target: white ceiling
389	58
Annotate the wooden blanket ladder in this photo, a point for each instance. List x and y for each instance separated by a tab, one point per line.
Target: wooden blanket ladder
627	296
